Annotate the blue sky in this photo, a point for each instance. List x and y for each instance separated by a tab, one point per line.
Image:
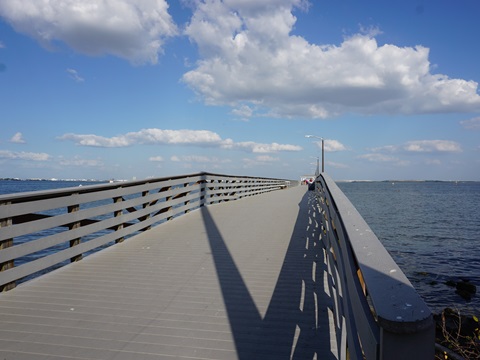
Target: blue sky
134	89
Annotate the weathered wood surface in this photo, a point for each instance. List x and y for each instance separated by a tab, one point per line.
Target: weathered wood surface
238	280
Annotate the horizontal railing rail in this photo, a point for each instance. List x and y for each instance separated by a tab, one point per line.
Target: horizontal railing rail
377	312
42	230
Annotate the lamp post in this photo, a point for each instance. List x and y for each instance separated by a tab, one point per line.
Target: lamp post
317	169
323	149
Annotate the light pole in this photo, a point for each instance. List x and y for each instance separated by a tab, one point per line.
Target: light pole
317	170
323	149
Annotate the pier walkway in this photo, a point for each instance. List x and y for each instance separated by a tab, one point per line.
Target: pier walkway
237	280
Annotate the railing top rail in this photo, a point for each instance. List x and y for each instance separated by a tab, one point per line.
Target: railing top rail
398	307
100	187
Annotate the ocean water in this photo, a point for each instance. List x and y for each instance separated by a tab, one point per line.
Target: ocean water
16	186
20	186
431	229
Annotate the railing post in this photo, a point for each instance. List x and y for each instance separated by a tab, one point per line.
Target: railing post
201	183
3	245
118	213
188	201
145	205
72	226
167	199
211	188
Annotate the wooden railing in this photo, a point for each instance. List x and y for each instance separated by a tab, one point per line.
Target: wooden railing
378	314
46	229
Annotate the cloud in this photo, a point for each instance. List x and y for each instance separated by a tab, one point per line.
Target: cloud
203	138
243	111
74	75
249	58
433	162
130	29
17	138
95	140
147	136
260	160
156	158
422	146
382	158
12	155
76	161
471	124
430	146
377	157
266	158
254	147
387	154
331	145
199	159
336	165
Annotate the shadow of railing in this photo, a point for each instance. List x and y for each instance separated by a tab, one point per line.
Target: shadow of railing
296	323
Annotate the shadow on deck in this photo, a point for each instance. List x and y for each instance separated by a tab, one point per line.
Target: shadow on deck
296	323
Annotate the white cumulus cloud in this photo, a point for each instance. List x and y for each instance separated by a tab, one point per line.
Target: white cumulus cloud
131	29
147	136
249	58
471	124
198	159
77	161
18	138
382	158
266	158
22	155
203	138
422	146
331	145
156	158
255	147
433	146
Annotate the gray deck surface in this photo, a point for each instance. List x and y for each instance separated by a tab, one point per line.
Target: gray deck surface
237	280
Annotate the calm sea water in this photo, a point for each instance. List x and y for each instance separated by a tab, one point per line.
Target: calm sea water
13	186
431	229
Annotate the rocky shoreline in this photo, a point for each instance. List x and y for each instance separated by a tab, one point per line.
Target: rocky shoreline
457	336
464	288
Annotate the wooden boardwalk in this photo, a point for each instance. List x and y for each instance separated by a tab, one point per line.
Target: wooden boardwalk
238	280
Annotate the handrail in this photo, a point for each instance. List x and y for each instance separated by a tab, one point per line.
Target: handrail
44	229
378	313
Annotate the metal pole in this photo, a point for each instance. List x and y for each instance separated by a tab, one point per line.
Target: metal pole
323	156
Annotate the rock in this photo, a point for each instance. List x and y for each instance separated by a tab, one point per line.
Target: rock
451	283
466	289
467	286
455	324
464	294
